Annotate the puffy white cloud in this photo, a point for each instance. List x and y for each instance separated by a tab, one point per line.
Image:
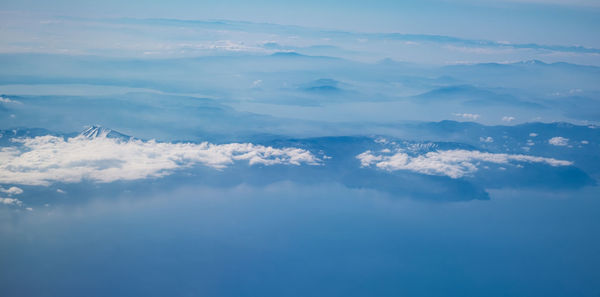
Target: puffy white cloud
11	191
46	159
11	201
558	141
508	119
486	139
367	158
452	163
468	116
585	142
532	134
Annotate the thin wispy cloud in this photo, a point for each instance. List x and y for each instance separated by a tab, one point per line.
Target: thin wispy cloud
467	116
188	38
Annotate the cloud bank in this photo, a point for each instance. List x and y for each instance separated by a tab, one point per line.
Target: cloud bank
46	159
452	163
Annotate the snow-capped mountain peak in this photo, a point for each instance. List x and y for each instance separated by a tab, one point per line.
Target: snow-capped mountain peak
95	131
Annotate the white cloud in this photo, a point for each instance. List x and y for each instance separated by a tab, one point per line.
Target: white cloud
11	201
481	50
452	163
7	100
222	45
11	191
558	141
533	134
468	116
585	142
508	119
46	159
486	139
257	83
411	43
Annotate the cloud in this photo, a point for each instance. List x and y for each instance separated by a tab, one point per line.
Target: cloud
486	139
468	116
257	83
11	191
508	119
558	141
7	100
11	201
533	134
46	159
481	50
452	163
221	45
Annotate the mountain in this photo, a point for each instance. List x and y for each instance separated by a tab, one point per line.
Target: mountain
99	131
473	96
452	161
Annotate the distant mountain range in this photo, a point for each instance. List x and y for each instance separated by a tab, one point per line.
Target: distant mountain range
492	157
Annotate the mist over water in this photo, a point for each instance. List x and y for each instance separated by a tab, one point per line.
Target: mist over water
290	239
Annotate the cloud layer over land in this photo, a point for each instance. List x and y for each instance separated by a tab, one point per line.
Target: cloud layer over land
45	159
453	163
